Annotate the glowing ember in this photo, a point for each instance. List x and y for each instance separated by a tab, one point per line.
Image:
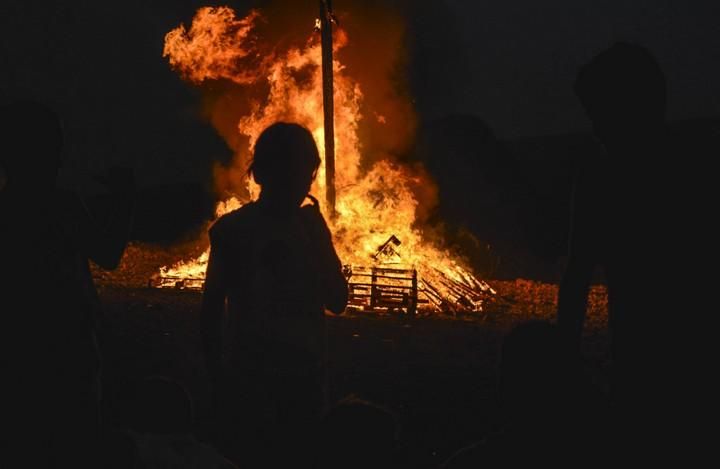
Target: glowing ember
372	205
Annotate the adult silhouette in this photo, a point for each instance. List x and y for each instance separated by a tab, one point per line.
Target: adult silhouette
625	209
48	300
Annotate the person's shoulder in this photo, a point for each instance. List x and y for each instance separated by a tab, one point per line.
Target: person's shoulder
238	219
315	221
312	213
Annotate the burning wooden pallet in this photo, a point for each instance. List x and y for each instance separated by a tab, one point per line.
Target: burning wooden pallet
386	286
178	283
382	289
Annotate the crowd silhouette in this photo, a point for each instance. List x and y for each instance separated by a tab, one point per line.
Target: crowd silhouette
272	274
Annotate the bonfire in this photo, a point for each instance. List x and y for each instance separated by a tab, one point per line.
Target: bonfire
391	262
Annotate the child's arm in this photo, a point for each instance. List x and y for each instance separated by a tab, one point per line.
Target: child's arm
337	288
334	282
582	257
105	238
213	307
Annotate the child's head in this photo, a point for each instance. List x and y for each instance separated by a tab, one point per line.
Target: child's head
623	90
285	162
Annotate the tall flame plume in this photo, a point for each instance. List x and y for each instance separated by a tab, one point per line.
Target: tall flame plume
374	202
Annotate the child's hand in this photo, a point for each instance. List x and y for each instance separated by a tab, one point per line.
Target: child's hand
314	201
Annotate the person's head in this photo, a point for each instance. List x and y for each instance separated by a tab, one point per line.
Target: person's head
623	91
31	140
357	433
284	163
163	407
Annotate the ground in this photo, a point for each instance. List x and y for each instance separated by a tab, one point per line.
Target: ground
437	373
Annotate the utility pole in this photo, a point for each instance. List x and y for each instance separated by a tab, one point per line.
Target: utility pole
327	18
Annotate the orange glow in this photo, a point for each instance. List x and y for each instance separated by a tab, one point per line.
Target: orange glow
373	202
218	29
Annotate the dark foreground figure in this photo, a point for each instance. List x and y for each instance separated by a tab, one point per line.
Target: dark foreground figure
627	218
48	349
357	434
551	415
162	429
273	264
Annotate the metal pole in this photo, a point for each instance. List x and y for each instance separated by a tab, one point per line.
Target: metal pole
328	102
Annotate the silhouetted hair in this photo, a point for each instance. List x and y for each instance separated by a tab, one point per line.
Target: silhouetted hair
357	433
31	137
163	407
624	79
283	150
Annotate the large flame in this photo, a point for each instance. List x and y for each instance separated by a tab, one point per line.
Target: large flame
372	205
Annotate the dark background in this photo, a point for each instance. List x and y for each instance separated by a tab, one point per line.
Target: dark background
492	78
498	129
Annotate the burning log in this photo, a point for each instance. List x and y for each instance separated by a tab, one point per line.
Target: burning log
459	289
433	294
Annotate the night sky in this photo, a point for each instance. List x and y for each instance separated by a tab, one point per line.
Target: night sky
510	62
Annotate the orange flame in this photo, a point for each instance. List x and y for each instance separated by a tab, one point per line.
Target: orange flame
372	205
232	45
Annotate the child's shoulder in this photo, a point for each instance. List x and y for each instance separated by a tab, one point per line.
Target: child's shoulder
311	211
237	220
312	215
